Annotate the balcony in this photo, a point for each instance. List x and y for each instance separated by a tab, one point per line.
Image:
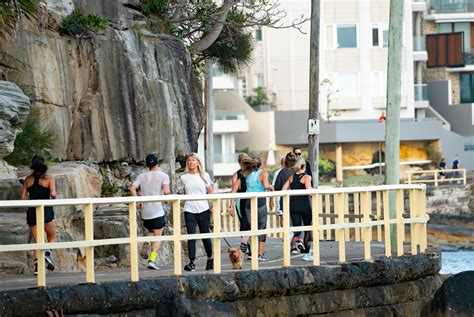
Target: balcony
468	57
230	122
418	5
421	96
450	6
419	49
225	164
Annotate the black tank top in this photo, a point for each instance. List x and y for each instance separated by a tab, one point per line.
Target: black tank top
36	191
243	182
299	203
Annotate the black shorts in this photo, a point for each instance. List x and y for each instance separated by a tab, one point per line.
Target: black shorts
155	223
31	215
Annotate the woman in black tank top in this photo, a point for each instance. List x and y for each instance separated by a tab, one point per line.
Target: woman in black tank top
300	207
36	186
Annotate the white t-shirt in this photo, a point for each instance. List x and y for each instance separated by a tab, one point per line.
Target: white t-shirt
194	184
151	184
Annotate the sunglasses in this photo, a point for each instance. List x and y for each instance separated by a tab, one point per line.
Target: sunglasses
298	154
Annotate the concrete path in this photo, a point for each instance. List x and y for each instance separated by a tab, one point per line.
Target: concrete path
273	250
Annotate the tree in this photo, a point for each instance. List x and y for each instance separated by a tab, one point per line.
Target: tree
218	33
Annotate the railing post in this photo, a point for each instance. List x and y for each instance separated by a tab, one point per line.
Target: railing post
356	213
177	237
315	205
409	177
89	236
386	225
286	232
254	228
216	215
340	235
400	222
327	220
367	231
346	219
378	211
39	240
423	237
436	178
464	176
132	208
413	215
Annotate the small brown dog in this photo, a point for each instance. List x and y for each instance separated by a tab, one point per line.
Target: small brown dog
236	258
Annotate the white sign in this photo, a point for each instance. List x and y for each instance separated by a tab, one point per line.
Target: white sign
313	127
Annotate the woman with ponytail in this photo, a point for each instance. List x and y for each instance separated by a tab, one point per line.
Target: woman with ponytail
197	213
38	185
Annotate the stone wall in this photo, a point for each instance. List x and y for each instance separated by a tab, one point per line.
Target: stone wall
401	286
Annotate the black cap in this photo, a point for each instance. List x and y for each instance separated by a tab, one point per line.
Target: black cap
151	160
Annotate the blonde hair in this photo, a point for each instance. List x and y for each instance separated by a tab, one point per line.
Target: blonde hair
250	164
242	156
200	167
300	164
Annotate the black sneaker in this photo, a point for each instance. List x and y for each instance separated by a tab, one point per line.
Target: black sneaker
49	261
191	267
243	247
300	245
35	272
210	264
144	250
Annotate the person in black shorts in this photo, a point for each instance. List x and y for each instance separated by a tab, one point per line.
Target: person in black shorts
38	185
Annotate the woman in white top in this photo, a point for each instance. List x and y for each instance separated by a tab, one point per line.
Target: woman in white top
197	213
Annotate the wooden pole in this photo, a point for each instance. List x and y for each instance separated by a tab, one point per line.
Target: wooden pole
313	139
209	149
392	127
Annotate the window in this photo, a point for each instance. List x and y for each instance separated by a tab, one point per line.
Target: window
217	143
380	35
347	85
467	88
445	49
346	36
259	80
258	35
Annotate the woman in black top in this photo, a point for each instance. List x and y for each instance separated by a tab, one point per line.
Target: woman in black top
38	185
300	207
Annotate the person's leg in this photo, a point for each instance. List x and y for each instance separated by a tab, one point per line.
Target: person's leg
191	223
307	221
33	234
244	225
203	221
262	224
50	229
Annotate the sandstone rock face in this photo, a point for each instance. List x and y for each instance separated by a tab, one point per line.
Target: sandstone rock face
117	96
14	109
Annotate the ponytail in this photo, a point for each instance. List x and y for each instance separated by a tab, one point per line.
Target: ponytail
38	166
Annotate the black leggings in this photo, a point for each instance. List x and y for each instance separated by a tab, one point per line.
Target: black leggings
299	215
202	220
244	223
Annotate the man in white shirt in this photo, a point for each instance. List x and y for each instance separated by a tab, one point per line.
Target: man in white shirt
152	183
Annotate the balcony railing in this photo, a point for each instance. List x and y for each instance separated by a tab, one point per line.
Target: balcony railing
226	158
421	92
229	115
450	6
468	57
419	43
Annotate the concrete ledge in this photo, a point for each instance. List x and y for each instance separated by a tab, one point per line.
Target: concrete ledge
298	290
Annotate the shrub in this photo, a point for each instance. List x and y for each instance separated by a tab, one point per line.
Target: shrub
327	169
30	141
260	97
434	155
78	24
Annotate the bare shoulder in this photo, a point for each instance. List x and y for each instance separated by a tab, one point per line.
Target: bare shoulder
28	180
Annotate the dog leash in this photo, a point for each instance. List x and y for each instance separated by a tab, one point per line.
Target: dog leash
227	242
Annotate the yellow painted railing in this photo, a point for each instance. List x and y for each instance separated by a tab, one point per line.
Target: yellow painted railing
449	176
346	214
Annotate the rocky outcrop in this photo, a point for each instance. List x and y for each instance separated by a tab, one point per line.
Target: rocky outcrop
116	96
14	109
401	286
455	297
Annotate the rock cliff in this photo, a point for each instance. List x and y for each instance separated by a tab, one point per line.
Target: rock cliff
115	96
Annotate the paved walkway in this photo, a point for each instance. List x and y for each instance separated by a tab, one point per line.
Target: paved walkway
273	250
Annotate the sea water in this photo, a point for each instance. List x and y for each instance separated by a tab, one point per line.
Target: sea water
457	261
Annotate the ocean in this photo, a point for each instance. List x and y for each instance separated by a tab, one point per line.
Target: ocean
457	261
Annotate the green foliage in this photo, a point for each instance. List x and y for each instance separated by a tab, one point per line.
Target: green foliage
327	169
260	97
155	7
78	24
108	189
11	11
434	155
31	141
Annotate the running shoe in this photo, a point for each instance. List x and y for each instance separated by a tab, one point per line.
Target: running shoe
191	267
35	272
210	264
243	247
299	244
144	250
49	260
262	258
152	265
294	250
308	256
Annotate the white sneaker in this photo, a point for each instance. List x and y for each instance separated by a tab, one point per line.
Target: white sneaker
308	256
144	250
152	265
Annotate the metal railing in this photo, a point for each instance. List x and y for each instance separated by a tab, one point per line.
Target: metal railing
421	92
419	43
450	175
450	6
468	57
332	214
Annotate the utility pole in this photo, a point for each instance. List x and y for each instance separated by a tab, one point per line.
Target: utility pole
392	127
313	122
209	135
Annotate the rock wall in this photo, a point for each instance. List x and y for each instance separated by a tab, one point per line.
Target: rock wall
403	287
116	96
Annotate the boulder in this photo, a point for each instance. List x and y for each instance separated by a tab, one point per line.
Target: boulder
455	297
14	109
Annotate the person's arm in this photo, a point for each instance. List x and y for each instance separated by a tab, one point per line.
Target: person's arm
166	189
287	183
52	187
24	191
307	182
264	180
133	190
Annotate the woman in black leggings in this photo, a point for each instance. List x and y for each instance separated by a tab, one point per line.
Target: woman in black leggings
300	208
